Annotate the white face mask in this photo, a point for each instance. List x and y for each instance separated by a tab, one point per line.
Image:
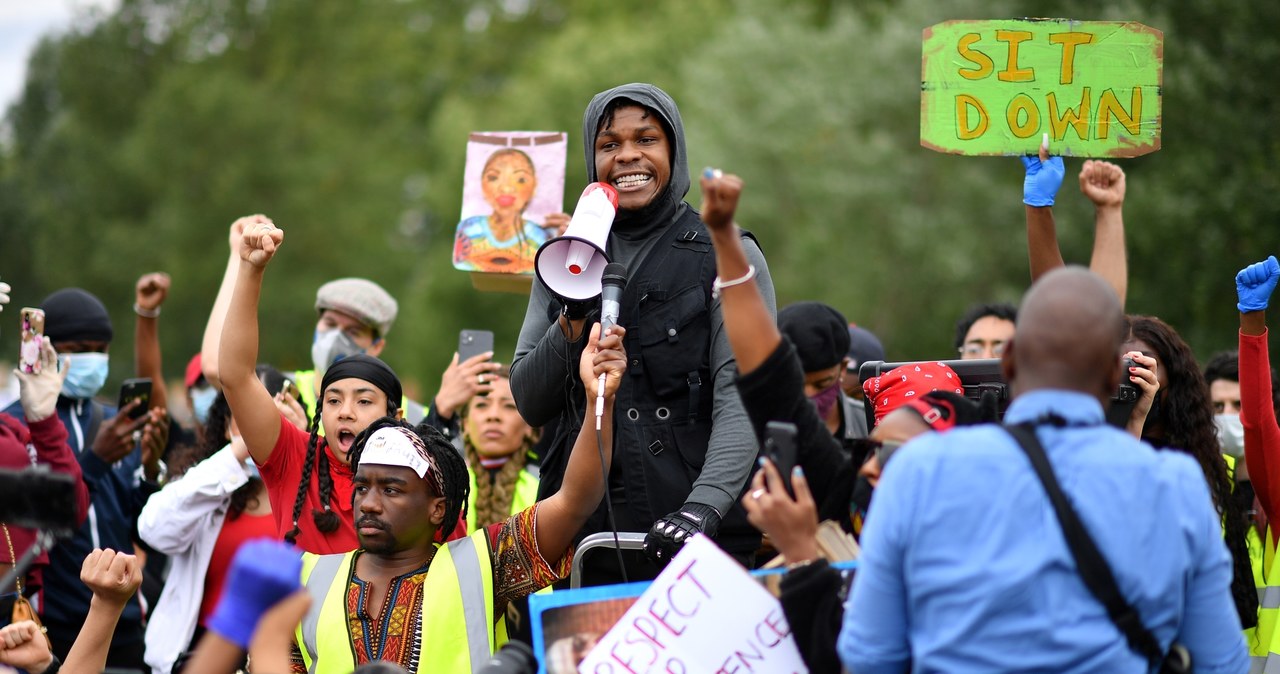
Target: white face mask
1230	434
330	347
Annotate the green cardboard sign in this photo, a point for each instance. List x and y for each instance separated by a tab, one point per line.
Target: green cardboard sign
995	87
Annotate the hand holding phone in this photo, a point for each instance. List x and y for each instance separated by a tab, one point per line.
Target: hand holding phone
780	447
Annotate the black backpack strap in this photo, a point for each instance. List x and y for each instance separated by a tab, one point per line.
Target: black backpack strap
1094	570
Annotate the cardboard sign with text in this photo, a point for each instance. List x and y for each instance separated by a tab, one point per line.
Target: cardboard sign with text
994	87
703	613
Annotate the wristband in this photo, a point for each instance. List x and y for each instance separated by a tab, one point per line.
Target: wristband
718	285
146	313
53	667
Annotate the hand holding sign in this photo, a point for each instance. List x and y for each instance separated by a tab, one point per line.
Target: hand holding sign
1044	177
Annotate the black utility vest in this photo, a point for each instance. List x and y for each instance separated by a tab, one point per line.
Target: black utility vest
662	414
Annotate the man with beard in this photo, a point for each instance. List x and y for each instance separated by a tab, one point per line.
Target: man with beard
685	445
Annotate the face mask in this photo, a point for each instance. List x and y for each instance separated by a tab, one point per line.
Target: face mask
202	398
826	400
1230	434
86	373
330	347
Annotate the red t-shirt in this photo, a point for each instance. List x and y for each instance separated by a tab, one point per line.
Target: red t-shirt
282	475
283	472
234	533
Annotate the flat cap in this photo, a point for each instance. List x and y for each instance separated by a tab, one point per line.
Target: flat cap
361	299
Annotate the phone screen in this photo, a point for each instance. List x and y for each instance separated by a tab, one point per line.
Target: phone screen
780	447
135	389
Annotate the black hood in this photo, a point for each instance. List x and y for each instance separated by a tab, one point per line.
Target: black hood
666	205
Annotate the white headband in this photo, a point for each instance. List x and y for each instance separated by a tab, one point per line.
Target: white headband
397	447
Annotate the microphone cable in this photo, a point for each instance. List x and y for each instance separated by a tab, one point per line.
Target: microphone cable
608	499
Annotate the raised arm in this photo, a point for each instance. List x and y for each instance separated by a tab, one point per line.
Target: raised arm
1103	183
250	402
210	345
562	514
113	577
1254	285
753	332
149	293
1039	189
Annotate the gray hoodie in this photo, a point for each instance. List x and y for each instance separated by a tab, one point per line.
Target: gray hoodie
538	371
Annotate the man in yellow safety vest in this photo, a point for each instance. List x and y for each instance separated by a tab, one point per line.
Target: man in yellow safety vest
429	608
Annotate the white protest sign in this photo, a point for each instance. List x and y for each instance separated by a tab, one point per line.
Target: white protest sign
703	613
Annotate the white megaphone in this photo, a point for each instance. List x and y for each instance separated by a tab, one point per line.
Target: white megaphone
572	264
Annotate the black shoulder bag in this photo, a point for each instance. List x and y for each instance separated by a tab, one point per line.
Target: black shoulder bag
1093	567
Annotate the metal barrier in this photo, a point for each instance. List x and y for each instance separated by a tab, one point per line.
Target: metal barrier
627	540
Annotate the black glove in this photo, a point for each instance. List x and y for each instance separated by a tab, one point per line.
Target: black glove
669	534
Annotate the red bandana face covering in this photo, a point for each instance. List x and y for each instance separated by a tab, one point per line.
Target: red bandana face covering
901	385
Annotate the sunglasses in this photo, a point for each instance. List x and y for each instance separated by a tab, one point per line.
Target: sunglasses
883	449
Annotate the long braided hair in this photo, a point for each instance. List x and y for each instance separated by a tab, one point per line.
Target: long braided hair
495	490
1184	412
453	469
325	519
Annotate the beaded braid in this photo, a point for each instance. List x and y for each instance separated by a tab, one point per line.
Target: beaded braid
494	492
326	520
453	469
305	483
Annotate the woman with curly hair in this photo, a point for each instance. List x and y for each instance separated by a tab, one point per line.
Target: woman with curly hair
1181	419
497	442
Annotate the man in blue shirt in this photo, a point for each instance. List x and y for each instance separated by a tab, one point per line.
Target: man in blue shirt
965	567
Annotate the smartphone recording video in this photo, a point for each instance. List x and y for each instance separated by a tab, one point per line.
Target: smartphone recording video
135	389
780	447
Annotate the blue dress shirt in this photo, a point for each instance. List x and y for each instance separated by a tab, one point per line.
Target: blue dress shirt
964	566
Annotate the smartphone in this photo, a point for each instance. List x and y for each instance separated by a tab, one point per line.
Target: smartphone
473	343
780	447
32	331
135	389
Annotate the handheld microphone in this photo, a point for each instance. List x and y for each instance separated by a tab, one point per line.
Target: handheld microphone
613	282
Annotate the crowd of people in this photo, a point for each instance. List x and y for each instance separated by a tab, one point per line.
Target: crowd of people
322	521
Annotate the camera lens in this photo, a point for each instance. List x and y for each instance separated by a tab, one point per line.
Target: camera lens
515	657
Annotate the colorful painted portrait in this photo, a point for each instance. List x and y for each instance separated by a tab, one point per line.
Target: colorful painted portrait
514	179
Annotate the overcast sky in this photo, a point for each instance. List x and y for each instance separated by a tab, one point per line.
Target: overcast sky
22	22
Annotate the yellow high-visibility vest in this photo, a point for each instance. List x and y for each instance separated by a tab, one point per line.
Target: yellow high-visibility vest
524	495
459	632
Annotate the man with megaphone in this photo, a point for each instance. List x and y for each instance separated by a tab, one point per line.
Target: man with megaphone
684	446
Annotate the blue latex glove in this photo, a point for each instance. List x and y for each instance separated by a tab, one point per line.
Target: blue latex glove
263	573
1255	283
1043	180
